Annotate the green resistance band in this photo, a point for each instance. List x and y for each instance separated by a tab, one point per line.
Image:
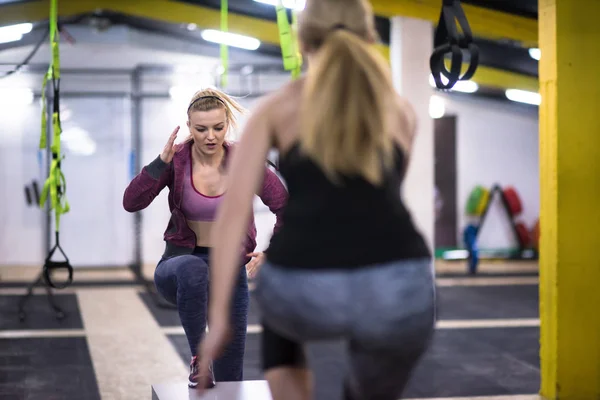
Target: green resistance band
224	47
55	185
288	39
298	69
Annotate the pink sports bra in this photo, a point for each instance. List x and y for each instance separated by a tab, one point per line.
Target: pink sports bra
196	206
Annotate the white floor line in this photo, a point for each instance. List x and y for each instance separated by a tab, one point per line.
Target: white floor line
488	281
48	333
254	329
443	324
473	281
36	291
178	330
173	330
487	323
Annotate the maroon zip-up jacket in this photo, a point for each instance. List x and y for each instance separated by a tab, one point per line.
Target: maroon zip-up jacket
179	238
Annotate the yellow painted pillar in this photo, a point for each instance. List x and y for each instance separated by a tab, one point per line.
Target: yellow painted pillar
569	35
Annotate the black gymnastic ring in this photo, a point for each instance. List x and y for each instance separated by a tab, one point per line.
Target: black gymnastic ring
438	67
51	266
448	40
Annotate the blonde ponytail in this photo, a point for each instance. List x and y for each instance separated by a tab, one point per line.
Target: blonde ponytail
347	93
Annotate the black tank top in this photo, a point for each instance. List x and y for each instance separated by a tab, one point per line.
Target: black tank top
355	224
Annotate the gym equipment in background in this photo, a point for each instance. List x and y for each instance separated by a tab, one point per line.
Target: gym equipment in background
513	201
448	41
32	194
478	205
477	201
224	48
288	40
54	190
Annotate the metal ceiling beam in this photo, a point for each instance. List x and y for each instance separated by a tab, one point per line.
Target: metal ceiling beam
38	11
484	22
264	30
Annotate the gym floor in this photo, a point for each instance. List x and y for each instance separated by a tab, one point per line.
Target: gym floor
115	342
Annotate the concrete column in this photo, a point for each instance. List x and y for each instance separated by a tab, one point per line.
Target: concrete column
411	45
569	190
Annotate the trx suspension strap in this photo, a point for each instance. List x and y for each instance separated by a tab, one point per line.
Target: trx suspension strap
224	48
54	189
449	41
288	39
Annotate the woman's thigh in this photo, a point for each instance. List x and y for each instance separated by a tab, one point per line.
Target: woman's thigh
304	305
179	273
393	324
394	304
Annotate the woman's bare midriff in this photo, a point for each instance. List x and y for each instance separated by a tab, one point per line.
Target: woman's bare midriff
202	229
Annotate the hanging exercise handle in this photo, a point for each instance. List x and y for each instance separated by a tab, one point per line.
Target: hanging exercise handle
449	41
55	187
51	267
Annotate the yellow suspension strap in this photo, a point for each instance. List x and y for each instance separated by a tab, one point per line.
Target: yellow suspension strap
224	47
55	187
288	39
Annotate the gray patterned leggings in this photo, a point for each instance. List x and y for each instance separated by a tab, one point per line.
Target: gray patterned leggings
386	312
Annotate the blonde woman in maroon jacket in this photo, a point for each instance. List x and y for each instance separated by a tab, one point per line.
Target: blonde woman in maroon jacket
196	174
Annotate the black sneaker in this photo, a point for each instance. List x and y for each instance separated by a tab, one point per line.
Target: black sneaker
195	378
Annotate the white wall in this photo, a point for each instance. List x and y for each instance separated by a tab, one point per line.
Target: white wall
96	229
496	143
21	232
410	67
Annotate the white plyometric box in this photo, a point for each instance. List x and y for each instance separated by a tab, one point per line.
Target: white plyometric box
246	390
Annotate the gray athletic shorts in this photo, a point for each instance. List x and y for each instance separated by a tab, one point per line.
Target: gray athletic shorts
386	312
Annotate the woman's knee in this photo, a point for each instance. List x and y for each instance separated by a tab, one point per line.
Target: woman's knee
188	272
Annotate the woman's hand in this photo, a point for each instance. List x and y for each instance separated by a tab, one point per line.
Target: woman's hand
254	265
169	151
211	348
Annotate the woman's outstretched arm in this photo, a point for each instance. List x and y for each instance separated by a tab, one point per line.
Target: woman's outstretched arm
246	174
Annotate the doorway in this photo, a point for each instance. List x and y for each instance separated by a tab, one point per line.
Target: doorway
445	182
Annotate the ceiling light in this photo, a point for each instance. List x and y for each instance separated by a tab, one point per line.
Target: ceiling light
231	39
523	96
460	86
535	53
298	5
20	28
437	107
13	33
10	37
